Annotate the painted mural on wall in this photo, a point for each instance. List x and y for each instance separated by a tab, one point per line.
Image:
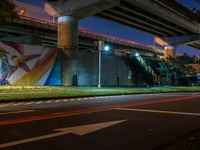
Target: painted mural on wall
29	65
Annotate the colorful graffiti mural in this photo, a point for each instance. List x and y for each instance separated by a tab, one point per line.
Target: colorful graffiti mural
29	65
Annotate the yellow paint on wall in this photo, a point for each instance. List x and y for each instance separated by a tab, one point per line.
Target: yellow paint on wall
33	76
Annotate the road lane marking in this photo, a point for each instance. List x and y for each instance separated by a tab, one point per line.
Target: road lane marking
72	99
57	101
16	112
103	97
53	115
4	105
50	101
160	111
91	110
78	130
29	103
17	104
39	102
99	97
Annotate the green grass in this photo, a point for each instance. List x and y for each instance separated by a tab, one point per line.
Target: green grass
50	92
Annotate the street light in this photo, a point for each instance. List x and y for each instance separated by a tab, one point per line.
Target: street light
101	48
106	48
137	54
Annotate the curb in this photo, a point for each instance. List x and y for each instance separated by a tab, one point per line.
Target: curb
68	97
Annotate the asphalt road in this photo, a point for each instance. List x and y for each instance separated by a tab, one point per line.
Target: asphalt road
135	122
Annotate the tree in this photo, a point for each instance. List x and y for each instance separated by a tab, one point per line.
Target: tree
164	71
8	12
177	67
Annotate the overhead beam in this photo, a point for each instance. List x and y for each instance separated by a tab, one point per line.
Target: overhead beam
152	19
131	24
165	13
131	21
78	8
142	22
181	40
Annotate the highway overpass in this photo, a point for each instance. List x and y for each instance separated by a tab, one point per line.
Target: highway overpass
119	66
41	32
158	17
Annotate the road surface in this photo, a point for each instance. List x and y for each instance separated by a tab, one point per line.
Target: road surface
129	122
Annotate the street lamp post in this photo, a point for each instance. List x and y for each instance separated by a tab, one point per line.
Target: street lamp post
100	49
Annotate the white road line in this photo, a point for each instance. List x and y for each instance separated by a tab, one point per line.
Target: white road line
16	112
39	102
49	101
79	99
65	100
72	99
101	97
4	105
57	101
17	104
29	103
161	111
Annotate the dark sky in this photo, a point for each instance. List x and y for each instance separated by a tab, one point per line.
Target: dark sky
107	27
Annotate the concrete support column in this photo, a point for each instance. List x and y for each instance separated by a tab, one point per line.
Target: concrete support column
68	43
169	51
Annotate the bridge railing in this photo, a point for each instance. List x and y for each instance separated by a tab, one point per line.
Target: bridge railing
38	20
135	54
154	49
144	65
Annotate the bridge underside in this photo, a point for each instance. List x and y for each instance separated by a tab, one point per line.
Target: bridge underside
131	14
191	40
158	17
195	45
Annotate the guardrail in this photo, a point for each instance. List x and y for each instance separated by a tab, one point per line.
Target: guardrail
38	20
144	65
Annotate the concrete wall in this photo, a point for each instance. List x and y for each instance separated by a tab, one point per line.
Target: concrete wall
112	67
36	65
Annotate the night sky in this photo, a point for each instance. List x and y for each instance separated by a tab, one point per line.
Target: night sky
107	27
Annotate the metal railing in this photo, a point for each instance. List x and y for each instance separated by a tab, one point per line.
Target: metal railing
135	54
155	49
144	65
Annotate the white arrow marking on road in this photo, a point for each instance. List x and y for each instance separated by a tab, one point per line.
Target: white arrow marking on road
79	130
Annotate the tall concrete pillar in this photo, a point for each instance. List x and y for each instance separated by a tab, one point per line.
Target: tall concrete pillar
169	51
68	43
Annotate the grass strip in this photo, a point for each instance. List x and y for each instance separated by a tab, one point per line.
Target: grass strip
50	92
